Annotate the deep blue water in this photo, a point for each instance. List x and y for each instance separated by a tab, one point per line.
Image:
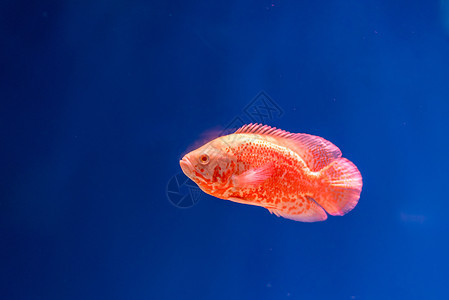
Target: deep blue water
100	99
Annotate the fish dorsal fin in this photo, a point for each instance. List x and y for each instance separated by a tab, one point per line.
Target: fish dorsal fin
314	150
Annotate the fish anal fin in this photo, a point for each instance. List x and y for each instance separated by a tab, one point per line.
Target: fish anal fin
314	150
274	211
303	210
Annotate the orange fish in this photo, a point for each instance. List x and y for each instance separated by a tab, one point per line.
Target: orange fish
294	175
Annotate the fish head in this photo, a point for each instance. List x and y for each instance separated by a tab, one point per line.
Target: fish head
210	166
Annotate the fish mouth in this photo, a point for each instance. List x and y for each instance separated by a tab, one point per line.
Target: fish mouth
186	166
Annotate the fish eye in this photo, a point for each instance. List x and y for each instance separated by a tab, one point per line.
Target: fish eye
204	159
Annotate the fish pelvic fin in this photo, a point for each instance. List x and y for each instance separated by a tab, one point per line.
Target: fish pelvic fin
342	185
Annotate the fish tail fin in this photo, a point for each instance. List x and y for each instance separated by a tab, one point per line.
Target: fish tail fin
342	185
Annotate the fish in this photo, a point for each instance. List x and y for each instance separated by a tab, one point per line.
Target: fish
296	176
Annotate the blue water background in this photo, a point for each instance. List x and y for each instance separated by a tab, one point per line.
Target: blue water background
99	100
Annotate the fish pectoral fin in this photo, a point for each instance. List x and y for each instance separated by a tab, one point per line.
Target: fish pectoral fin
253	177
